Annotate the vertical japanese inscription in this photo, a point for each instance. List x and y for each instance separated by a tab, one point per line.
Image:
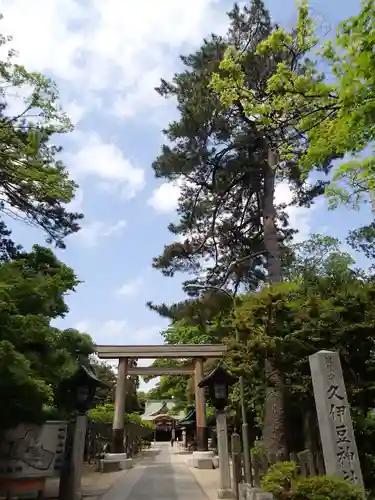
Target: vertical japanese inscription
335	424
339	412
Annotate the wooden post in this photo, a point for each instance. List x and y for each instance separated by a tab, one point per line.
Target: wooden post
120	396
200	408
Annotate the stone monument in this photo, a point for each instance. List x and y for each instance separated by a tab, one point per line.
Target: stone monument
335	423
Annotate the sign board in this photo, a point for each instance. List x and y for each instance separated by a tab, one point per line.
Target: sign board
33	451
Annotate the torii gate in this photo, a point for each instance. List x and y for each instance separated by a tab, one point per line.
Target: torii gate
198	353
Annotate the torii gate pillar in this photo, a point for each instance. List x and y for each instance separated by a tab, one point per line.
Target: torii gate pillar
119	416
200	408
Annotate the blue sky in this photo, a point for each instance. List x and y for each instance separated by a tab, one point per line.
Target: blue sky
107	56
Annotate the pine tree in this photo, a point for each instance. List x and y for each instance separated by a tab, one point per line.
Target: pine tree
214	152
234	234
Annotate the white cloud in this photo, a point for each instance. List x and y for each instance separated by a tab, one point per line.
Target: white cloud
82	326
126	105
115	229
164	199
76	205
130	288
78	106
92	233
107	58
114	327
106	162
75	112
149	335
299	217
108	332
120	332
112	45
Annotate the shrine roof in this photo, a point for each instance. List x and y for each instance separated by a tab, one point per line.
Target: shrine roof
156	408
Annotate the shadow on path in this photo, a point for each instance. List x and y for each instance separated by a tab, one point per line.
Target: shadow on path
149	455
155	478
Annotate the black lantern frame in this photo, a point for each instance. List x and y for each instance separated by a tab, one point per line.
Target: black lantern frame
78	391
217	384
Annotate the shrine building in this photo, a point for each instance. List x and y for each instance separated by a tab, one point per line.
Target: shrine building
166	419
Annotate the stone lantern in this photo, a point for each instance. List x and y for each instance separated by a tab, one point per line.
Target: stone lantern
76	394
217	384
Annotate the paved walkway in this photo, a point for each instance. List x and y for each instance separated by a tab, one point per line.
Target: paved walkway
157	476
93	483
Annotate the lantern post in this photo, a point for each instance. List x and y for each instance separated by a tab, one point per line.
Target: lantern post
245	426
217	384
76	395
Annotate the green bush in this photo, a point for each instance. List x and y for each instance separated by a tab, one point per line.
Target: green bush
326	488
282	481
279	479
104	414
258	449
53	413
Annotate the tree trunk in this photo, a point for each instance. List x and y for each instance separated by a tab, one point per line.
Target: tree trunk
274	434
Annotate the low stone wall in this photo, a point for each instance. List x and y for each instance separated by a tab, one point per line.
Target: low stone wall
247	492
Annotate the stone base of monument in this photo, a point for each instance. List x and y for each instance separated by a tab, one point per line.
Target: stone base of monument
126	464
109	466
225	493
115	461
247	492
115	456
203	459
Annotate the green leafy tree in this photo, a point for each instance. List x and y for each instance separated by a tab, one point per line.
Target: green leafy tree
106	374
35	186
193	321
216	155
333	118
328	310
318	256
35	356
226	158
8	249
296	113
350	126
363	240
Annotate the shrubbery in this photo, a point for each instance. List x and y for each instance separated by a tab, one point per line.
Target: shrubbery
104	414
282	481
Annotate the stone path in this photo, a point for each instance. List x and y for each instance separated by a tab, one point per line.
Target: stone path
93	483
158	476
